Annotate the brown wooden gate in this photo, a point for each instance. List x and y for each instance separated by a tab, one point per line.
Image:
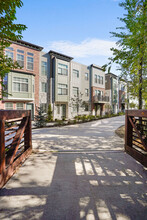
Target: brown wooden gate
15	141
136	135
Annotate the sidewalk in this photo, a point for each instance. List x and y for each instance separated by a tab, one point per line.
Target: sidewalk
77	172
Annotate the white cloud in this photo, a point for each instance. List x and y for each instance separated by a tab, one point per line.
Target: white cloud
86	48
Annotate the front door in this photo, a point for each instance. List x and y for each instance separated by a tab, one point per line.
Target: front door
30	106
63	107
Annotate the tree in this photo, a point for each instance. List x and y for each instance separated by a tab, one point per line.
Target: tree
9	32
77	102
49	113
131	51
40	118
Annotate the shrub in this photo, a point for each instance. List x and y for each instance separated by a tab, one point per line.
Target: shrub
49	114
40	118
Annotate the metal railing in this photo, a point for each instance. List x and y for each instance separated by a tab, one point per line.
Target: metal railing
15	141
98	98
136	135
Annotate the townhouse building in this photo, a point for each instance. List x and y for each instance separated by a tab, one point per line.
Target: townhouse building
22	85
111	87
98	93
54	78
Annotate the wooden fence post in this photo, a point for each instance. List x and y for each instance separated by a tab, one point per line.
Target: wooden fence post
128	131
2	147
28	133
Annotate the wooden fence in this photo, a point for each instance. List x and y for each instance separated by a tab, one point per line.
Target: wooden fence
15	141
136	135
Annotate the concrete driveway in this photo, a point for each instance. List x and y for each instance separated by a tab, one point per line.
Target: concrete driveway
77	172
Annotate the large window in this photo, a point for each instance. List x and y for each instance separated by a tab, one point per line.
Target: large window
76	73
5	82
86	92
20	84
86	76
44	68
9	54
19	106
20	60
62	89
101	80
9	106
30	63
44	87
75	91
62	69
95	78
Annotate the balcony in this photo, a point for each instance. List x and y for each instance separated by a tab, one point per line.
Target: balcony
101	99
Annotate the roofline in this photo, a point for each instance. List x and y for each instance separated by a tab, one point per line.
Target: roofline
96	66
111	74
27	44
60	54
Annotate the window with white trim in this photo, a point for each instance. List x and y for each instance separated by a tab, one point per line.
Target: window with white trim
20	84
75	91
62	89
76	73
9	106
43	68
44	87
19	106
30	63
62	69
9	54
20	60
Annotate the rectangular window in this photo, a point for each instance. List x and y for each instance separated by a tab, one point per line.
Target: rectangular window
62	89
20	51
30	63
99	81
86	76
5	82
86	92
19	106
9	54
9	106
10	48
44	68
95	78
20	60
20	84
76	73
33	86
30	54
44	87
75	91
62	69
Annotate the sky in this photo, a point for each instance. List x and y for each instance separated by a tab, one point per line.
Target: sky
78	28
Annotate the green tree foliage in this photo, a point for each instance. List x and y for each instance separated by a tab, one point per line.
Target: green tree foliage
40	118
49	114
9	32
131	50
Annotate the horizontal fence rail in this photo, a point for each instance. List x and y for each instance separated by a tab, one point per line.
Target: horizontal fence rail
136	135
15	141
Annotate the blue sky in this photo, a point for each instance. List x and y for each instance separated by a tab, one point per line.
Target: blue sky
78	28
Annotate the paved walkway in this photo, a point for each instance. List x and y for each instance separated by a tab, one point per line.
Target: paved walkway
77	172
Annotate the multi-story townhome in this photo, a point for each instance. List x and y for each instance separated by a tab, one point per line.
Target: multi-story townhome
44	80
60	78
122	95
22	85
69	86
111	87
98	96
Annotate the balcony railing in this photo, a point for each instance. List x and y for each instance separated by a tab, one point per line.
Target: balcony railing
100	98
